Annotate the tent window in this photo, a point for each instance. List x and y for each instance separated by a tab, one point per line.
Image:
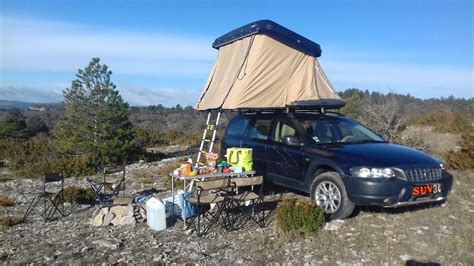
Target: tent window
260	129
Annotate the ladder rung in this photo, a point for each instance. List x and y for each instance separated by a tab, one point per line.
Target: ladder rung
206	140
205	152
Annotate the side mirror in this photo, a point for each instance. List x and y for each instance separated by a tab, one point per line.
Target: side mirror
293	141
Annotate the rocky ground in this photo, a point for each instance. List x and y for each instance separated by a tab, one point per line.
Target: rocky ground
442	234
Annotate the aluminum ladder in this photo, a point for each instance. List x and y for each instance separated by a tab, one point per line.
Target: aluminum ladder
211	127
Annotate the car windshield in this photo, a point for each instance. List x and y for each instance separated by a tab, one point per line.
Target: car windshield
337	130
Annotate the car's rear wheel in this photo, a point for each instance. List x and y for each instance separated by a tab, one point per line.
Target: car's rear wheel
329	193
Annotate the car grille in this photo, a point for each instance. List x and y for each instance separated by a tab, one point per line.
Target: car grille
424	174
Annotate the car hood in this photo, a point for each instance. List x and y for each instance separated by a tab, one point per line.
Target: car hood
377	155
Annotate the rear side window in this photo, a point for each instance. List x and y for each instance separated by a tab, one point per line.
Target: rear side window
237	126
260	129
282	131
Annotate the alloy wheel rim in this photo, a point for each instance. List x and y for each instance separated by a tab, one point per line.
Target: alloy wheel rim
328	196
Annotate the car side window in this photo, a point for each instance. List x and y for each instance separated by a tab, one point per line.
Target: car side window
237	127
323	132
259	129
283	130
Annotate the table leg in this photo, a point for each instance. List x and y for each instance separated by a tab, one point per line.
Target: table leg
184	205
172	198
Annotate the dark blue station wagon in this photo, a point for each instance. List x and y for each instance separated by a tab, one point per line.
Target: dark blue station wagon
337	161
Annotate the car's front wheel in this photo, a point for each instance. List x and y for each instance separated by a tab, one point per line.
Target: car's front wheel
329	193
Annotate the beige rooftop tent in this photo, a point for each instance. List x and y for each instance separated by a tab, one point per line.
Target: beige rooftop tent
263	65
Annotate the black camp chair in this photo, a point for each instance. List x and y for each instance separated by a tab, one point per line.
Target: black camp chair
247	201
207	193
109	185
47	202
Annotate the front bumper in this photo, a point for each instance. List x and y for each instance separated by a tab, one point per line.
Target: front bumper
394	192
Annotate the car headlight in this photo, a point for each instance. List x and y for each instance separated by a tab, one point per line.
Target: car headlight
368	172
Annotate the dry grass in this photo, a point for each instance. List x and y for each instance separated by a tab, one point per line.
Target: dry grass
145	178
9	221
164	173
76	194
6	202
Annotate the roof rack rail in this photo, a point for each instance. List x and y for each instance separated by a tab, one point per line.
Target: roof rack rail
320	106
286	111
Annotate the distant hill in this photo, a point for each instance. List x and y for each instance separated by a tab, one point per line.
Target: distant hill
9	105
4	104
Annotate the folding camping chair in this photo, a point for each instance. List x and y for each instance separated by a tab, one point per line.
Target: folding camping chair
109	185
46	202
247	200
207	193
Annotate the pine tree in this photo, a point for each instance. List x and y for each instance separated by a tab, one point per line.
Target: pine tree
95	123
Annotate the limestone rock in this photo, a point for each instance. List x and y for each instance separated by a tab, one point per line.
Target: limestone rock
105	243
108	218
123	215
99	218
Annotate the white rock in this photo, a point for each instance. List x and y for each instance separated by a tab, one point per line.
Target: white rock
108	218
119	211
333	225
99	218
123	215
105	244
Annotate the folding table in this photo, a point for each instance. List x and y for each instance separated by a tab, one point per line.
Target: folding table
187	186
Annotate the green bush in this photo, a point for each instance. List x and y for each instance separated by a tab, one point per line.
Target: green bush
71	166
26	158
147	137
32	158
299	216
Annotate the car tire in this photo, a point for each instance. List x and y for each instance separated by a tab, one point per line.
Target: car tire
345	206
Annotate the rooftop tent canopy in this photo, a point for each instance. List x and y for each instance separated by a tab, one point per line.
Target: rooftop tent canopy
263	65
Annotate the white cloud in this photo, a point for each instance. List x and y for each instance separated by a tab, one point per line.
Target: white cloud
39	45
134	95
141	96
31	94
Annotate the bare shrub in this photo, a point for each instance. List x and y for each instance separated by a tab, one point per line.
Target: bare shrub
415	141
463	159
384	116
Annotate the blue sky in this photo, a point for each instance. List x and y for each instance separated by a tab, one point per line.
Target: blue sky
160	51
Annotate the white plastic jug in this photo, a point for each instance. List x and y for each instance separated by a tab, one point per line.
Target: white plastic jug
155	214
